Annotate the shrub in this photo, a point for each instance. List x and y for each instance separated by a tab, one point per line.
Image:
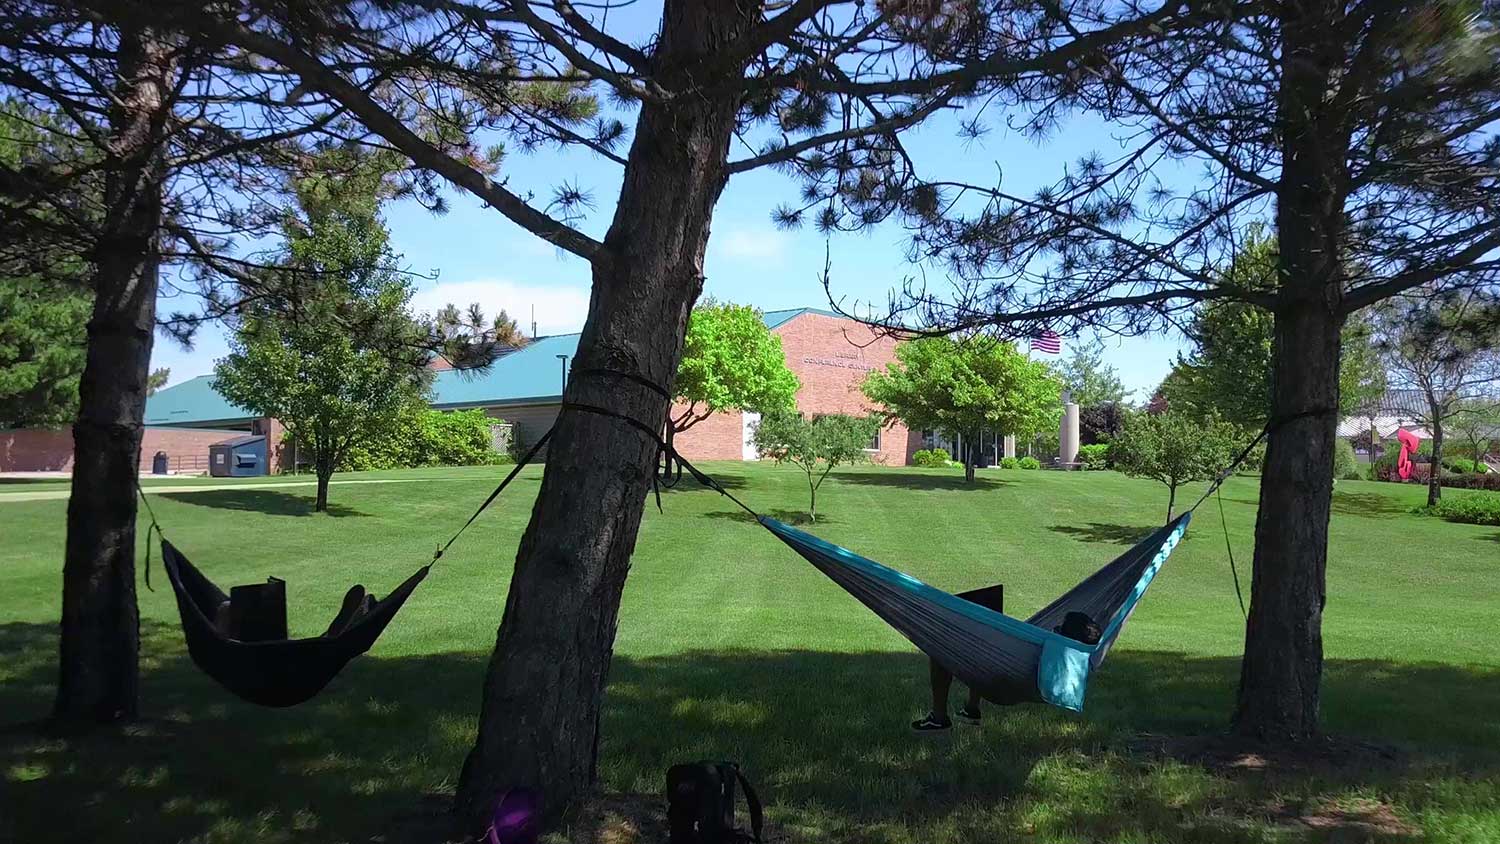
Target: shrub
424	437
1101	423
1489	481
931	458
1029	463
1345	465
456	438
1094	457
1475	509
1009	463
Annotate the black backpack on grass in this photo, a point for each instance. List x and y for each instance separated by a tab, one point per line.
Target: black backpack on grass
700	804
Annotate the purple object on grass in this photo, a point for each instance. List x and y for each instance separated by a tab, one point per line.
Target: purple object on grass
516	818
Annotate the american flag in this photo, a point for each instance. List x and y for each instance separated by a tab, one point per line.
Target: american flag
1047	343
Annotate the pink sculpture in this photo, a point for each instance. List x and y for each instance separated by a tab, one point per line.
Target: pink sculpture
1409	446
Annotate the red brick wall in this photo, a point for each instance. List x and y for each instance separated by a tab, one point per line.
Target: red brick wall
832	357
279	450
51	449
719	437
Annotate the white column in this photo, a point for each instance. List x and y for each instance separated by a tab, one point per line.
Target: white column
1010	446
1067	436
748	421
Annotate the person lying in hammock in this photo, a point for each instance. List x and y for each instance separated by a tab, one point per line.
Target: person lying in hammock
1076	625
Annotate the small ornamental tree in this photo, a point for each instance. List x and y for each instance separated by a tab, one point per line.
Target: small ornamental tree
816	446
1478	425
731	361
966	386
1173	448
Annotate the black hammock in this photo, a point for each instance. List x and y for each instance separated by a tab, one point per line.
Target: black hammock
283	672
280	672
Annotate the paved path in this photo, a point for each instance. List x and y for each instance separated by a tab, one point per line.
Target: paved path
157	489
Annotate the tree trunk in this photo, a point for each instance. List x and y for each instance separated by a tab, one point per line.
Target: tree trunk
98	671
1171	500
971	457
812	499
1282	667
1435	469
539	721
325	472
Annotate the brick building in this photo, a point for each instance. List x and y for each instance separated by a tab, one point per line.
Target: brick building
829	354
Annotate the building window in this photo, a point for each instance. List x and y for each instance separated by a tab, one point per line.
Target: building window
874	444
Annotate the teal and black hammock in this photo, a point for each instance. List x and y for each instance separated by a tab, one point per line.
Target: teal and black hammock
1004	659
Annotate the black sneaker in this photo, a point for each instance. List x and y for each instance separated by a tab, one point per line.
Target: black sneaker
930	723
968	717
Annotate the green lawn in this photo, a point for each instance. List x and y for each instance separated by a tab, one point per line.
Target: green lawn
731	647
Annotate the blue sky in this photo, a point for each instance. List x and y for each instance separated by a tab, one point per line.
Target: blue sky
479	256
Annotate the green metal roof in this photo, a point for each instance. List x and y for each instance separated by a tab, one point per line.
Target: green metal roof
775	319
532	375
193	402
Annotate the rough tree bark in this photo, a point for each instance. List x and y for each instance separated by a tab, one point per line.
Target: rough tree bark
539	722
324	469
1283	662
1435	468
98	676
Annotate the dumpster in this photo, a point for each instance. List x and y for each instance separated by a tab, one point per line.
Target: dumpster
241	457
159	463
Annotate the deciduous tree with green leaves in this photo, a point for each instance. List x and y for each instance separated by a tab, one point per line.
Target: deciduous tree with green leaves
1173	448
296	359
731	361
816	446
966	385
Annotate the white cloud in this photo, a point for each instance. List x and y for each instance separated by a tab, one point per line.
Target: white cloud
761	244
560	308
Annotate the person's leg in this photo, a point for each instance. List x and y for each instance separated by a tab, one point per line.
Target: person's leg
970	710
941	682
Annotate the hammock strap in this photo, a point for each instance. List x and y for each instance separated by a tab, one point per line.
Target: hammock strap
1244	454
669	463
1229	549
516	470
154	526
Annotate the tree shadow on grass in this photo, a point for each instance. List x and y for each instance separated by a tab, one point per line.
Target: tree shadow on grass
1106	533
823	734
918	480
265	501
1366	504
799	518
690	484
